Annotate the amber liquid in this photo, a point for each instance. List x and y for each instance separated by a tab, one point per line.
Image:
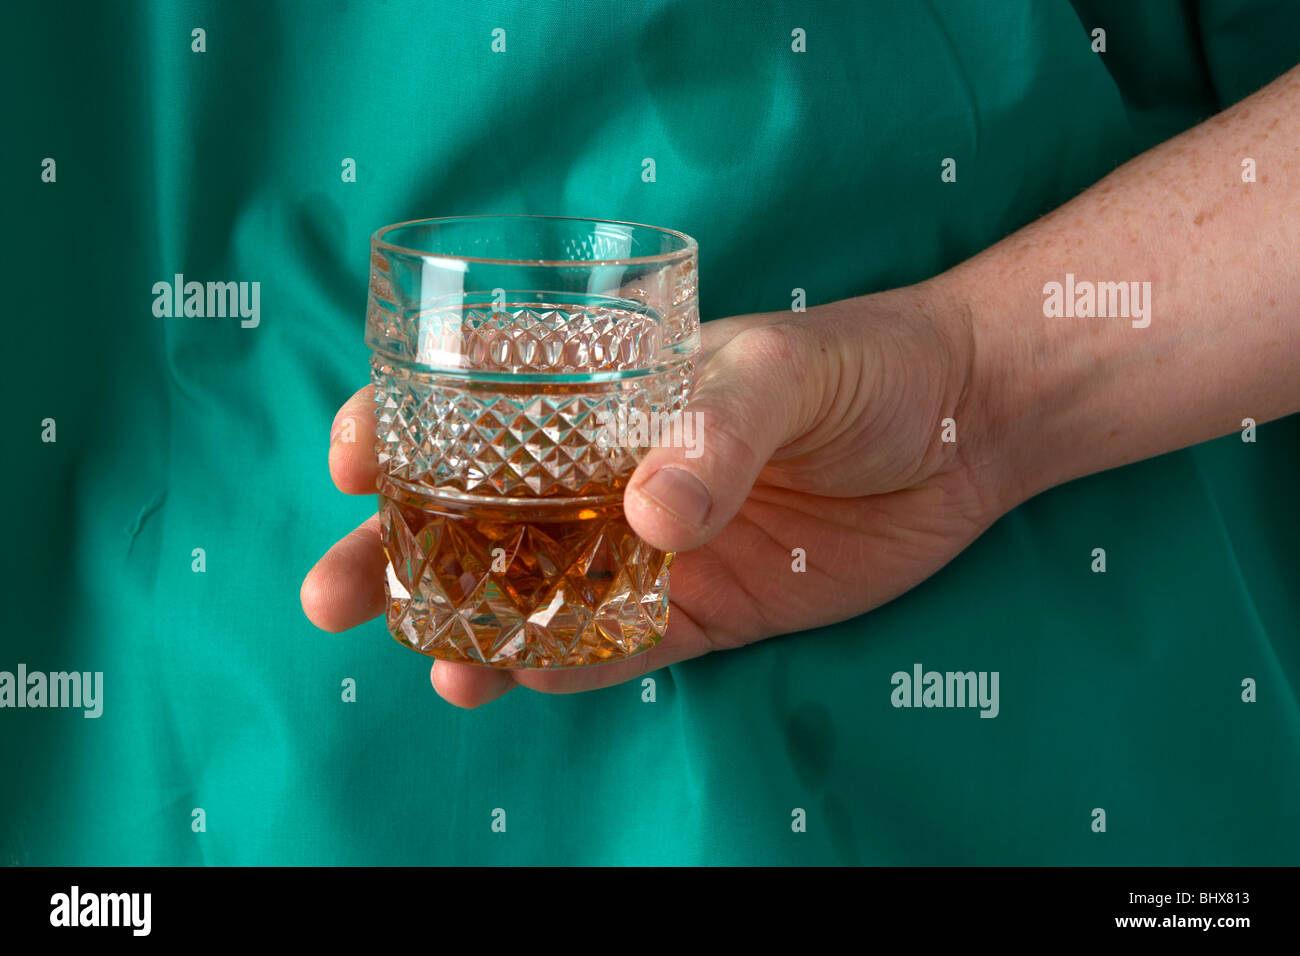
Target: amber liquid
510	583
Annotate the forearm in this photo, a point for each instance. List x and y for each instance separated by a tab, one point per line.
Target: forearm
1054	397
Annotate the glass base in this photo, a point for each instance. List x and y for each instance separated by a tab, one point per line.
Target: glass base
520	586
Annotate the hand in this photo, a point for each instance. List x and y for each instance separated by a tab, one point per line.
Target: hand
820	431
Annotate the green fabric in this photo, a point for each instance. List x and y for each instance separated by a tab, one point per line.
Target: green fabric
817	170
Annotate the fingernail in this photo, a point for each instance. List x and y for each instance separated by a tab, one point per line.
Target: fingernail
681	493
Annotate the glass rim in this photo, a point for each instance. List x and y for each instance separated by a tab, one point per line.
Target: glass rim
689	245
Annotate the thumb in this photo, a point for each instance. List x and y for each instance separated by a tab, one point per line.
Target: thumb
746	404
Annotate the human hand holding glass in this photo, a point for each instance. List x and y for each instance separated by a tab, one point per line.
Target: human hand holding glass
823	431
778	469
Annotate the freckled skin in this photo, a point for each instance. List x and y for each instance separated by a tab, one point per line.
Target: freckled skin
1224	340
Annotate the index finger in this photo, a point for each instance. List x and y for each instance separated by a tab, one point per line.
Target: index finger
353	464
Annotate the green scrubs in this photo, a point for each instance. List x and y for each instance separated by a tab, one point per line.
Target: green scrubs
161	538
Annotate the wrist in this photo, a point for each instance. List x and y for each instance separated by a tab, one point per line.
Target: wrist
996	412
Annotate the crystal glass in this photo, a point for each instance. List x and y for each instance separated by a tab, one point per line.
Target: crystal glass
506	350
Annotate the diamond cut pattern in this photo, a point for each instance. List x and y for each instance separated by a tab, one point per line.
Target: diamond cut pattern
535	338
512	440
581	604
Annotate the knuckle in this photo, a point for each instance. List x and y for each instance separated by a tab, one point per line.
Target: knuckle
770	344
